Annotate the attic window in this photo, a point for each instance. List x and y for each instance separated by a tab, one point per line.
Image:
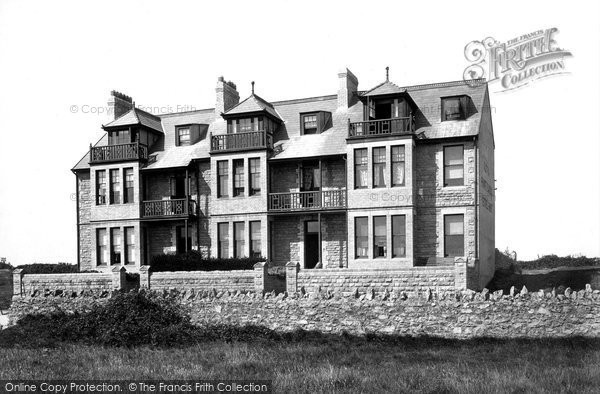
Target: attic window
183	136
454	108
315	122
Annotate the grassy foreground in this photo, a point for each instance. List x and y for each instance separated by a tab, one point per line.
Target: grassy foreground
334	364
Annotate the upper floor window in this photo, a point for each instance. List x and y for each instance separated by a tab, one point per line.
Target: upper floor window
120	137
128	176
238	177
360	168
115	187
454	165
361	237
183	136
254	171
454	108
315	122
454	236
379	236
244	125
222	178
379	167
398	165
100	187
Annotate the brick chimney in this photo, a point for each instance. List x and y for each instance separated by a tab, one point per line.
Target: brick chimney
348	84
227	96
119	104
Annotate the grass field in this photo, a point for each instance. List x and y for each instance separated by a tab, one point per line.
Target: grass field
334	364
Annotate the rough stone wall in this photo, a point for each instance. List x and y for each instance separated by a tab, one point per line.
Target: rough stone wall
334	240
85	244
43	283
242	281
347	281
450	315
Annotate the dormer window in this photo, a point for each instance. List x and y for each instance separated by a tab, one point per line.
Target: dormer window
455	108
189	134
315	122
183	136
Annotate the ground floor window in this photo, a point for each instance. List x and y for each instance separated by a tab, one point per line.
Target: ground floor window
398	236
361	237
255	238
115	246
223	240
379	237
239	241
129	245
101	246
454	235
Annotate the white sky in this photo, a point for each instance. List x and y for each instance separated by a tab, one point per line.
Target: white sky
54	55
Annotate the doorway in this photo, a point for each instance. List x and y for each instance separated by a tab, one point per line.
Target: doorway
311	244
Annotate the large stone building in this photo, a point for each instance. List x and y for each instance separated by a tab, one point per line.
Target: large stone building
390	177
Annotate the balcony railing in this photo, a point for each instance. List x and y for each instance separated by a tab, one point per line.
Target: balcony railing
181	207
370	128
121	152
241	141
306	201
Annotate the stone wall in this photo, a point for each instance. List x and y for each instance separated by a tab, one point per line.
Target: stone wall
243	281
451	315
75	283
348	281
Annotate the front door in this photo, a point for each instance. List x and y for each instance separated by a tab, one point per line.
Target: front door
311	244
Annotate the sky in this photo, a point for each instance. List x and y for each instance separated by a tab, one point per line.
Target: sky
59	61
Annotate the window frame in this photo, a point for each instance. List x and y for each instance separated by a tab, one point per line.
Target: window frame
237	165
128	247
116	249
114	196
375	246
223	241
312	130
102	248
360	166
392	162
453	182
101	187
254	188
222	179
401	235
364	238
379	164
188	141
462	235
253	240
239	244
463	102
127	190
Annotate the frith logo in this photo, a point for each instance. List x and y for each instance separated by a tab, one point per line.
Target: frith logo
516	62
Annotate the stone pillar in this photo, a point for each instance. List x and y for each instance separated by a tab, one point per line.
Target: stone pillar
260	276
118	279
17	282
291	277
460	273
145	277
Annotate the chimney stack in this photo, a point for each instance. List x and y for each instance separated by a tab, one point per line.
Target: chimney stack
227	96
348	85
119	104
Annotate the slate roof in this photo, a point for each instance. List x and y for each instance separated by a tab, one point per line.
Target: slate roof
254	103
386	87
289	142
136	117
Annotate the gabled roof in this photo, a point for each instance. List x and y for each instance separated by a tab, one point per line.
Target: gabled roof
386	87
136	117
254	103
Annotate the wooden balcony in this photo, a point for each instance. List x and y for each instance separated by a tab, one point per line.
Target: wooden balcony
241	141
167	209
308	201
121	152
381	127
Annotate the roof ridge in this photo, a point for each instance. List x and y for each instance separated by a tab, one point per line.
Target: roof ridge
443	84
146	113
